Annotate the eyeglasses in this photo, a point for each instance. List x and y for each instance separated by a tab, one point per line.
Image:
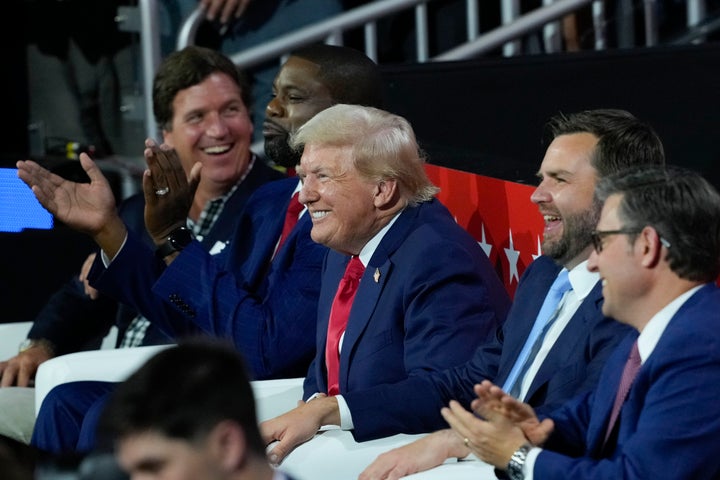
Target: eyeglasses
598	235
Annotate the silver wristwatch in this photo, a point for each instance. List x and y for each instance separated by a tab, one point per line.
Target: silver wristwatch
515	466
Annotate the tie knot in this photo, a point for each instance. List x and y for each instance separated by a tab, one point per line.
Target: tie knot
354	269
295	206
561	283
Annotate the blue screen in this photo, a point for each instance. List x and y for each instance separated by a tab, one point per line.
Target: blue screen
19	209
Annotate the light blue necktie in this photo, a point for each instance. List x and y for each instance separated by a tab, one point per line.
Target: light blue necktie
547	315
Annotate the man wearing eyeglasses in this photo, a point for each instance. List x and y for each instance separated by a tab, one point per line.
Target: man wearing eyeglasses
654	412
542	359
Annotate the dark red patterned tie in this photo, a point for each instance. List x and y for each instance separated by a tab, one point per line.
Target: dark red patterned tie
339	314
628	376
291	219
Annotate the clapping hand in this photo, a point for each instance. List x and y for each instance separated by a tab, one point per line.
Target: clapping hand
168	190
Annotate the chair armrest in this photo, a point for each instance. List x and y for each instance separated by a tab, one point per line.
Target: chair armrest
112	365
11	335
275	397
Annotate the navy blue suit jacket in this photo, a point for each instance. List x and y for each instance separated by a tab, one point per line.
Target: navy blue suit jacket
670	423
572	365
266	308
92	319
428	297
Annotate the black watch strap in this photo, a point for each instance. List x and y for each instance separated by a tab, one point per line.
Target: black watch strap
175	242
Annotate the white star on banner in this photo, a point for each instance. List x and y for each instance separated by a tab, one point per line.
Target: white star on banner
512	256
487	248
539	250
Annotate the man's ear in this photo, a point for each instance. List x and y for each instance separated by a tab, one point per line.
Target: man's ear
228	445
651	247
386	193
167	138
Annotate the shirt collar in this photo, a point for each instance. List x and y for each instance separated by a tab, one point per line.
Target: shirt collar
656	326
213	208
582	280
369	249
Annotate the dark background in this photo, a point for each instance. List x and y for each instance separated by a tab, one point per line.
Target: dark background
13	84
487	116
484	116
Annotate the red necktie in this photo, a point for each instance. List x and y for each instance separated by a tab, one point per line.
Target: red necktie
291	219
628	376
339	314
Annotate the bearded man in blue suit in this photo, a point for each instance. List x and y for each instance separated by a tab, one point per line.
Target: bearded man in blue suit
654	412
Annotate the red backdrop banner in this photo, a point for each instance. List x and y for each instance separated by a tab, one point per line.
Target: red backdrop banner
498	213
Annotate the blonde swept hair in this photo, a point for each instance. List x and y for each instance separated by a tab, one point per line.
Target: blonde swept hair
383	146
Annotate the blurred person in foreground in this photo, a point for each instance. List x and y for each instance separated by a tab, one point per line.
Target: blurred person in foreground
188	414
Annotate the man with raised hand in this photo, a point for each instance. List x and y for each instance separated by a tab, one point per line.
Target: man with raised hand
262	297
202	104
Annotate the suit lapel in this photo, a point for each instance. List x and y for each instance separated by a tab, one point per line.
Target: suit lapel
574	333
376	275
287	251
225	225
525	310
263	224
608	384
605	395
363	307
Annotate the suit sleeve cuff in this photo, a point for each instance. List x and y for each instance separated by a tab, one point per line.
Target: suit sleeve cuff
107	260
346	421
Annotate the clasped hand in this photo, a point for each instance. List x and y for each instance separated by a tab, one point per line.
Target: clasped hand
298	426
506	424
169	190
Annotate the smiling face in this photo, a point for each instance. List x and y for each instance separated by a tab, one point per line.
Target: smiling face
342	204
211	125
623	283
298	94
565	198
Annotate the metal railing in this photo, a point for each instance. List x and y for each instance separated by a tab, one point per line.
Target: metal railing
525	24
514	27
331	30
144	19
